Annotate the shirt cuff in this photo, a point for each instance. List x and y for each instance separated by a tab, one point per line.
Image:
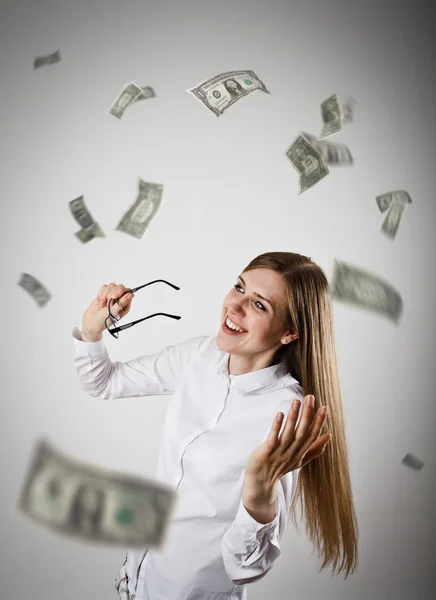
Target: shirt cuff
87	348
250	526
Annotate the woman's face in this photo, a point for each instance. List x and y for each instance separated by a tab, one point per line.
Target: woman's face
262	321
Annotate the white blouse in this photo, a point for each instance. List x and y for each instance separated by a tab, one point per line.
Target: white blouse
213	423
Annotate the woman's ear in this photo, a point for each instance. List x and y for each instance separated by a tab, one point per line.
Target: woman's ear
289	337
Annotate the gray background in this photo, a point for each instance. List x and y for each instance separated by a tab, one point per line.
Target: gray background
229	194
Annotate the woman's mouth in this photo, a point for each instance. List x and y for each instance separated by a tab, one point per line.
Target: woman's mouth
229	331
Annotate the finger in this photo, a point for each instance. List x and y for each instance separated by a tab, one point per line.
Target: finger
108	291
289	431
318	423
126	299
275	428
116	291
313	438
101	292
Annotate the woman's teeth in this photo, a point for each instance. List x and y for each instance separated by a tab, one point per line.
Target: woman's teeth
233	327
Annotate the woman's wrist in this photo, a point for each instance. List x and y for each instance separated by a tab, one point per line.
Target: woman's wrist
88	336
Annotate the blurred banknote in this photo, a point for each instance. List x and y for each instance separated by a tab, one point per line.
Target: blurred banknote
139	215
223	90
332	153
48	59
334	114
83	501
307	161
35	288
394	202
355	286
90	229
126	97
411	461
348	110
147	92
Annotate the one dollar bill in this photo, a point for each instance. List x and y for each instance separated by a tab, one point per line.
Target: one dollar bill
147	92
93	504
127	96
139	215
332	153
395	203
47	59
89	228
358	287
307	161
334	115
223	90
35	289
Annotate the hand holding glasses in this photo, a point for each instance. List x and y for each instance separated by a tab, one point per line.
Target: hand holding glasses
116	310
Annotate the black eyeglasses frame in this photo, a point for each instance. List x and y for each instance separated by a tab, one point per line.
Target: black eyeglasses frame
127	325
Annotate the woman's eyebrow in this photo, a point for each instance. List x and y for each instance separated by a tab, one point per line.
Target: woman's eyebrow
259	296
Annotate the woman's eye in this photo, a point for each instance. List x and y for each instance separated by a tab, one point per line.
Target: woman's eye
255	302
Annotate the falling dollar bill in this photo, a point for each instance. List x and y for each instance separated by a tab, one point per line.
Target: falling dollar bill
48	59
128	95
411	461
307	161
139	215
332	153
93	504
147	92
348	110
355	286
90	229
223	90
334	115
384	201
35	288
394	202
89	233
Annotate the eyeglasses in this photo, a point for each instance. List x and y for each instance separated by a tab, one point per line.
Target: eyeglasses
112	319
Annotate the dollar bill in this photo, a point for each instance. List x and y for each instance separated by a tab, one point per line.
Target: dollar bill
393	202
334	115
90	229
332	153
392	220
357	287
93	504
413	462
307	161
87	234
35	288
127	95
147	92
223	90
348	110
384	201
139	215
48	59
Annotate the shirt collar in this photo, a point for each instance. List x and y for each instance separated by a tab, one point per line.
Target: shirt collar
275	375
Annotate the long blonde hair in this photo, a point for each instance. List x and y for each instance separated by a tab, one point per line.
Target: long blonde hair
324	485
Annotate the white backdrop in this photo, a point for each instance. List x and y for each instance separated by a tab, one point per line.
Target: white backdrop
229	194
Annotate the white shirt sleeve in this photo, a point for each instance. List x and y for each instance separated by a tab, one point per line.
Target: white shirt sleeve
148	375
249	548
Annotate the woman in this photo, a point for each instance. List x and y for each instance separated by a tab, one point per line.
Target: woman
235	469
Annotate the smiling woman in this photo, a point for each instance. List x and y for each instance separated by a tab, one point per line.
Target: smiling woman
275	344
295	326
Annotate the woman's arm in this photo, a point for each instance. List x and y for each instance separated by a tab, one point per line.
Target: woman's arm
148	375
249	548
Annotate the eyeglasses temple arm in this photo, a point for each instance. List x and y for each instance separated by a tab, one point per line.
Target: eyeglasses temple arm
127	325
151	282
